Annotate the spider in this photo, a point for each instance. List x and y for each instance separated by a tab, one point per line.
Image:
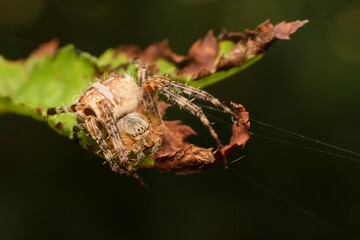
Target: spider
123	118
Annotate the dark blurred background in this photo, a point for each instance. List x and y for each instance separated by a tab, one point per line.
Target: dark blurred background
52	189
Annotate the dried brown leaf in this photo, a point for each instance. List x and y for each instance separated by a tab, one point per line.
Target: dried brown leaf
174	134
204	56
160	50
192	159
255	42
131	51
173	138
240	131
283	30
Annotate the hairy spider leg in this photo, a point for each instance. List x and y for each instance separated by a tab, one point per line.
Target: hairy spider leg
97	134
167	87
142	73
117	142
149	108
75	108
96	130
200	94
196	111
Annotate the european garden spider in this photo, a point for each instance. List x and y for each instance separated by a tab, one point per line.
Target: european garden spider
122	116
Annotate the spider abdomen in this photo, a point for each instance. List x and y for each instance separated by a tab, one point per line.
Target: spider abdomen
120	93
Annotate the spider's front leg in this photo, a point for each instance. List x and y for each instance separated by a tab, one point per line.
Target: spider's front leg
173	92
97	132
150	109
197	111
100	134
113	136
200	94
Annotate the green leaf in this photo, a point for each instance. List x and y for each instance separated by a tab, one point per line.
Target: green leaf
30	87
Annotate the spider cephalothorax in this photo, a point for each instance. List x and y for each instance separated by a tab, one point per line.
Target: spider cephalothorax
124	120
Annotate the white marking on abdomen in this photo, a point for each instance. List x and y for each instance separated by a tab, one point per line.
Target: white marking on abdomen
105	91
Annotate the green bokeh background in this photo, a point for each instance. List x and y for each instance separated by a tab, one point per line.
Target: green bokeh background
51	189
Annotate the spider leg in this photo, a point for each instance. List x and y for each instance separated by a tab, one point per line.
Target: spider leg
82	127
150	103
113	132
151	110
58	110
66	109
202	95
142	71
95	129
79	109
191	91
114	136
196	111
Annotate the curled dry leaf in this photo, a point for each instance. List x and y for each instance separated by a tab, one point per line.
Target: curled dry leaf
179	156
204	56
201	58
160	50
254	42
240	129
